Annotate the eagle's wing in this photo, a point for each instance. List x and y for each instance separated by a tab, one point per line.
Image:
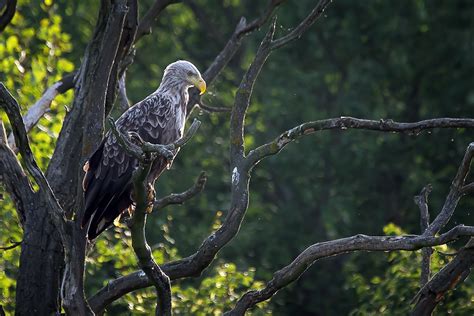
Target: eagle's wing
107	182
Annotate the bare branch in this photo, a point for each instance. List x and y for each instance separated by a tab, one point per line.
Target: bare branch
242	97
180	198
140	245
37	110
326	249
8	14
422	201
344	123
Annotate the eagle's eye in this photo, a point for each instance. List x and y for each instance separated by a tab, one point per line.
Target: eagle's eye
190	73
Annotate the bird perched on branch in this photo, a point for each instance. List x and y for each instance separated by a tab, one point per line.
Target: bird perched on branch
158	119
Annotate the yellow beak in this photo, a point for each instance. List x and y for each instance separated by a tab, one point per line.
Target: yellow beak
201	85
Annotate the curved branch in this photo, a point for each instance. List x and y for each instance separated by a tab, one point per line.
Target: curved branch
326	249
345	122
14	178
140	245
11	107
180	198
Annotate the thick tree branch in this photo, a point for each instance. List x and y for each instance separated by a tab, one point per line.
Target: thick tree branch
8	14
180	198
422	201
14	178
344	123
294	270
11	107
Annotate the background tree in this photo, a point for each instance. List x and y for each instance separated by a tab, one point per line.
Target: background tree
374	60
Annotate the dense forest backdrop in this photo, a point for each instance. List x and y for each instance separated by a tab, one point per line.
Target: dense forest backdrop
403	60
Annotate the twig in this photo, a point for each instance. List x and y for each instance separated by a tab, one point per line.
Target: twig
14	244
326	249
422	201
180	198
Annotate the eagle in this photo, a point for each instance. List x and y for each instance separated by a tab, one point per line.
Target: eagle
158	119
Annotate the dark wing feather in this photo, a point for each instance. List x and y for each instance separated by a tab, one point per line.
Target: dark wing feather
107	182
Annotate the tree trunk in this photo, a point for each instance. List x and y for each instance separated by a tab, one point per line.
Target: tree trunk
41	265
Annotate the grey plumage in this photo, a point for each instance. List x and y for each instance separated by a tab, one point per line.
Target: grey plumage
158	119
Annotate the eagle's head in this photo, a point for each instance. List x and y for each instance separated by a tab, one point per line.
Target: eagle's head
184	73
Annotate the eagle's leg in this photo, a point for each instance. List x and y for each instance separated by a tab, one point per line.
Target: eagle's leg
151	195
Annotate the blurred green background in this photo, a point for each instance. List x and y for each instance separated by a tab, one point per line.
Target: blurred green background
404	60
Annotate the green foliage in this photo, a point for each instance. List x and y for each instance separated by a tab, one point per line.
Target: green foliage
391	291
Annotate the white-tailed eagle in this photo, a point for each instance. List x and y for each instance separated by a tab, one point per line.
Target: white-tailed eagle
158	119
